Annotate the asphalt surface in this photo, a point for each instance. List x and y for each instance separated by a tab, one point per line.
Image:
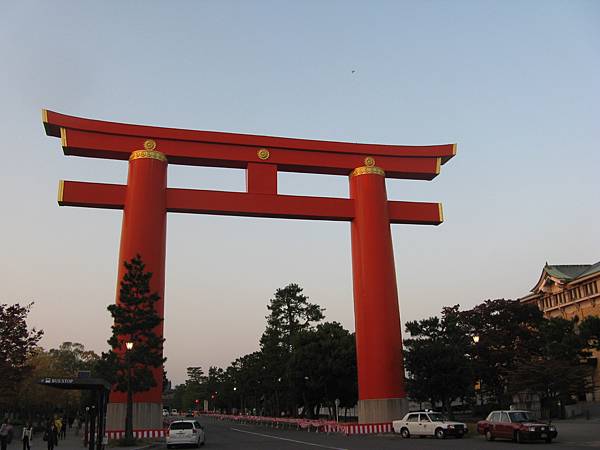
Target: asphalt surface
222	435
232	435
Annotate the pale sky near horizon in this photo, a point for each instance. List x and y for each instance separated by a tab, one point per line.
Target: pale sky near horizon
515	83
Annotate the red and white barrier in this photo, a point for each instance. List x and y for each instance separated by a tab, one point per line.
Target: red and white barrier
138	434
309	425
367	428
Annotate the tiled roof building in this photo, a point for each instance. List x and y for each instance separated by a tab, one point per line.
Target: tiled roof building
570	292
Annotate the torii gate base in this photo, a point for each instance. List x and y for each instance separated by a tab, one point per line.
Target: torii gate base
146	415
146	200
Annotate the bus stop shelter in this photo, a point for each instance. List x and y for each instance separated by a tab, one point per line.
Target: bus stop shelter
100	389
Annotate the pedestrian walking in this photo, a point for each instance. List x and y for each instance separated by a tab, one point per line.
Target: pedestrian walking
27	436
75	426
51	435
63	429
5	431
57	428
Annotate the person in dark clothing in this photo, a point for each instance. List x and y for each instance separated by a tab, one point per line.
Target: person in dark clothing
5	430
63	430
51	435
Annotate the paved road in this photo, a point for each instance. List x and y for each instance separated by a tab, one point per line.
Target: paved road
224	435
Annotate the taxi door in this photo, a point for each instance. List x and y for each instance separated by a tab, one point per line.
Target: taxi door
413	424
427	426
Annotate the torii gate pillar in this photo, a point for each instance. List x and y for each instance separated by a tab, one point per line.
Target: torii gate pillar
381	395
144	232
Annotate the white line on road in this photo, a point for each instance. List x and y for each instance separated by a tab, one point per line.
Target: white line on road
285	439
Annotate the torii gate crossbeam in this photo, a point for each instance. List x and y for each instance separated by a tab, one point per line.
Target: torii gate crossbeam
146	199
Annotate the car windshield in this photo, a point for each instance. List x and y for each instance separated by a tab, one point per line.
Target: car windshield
435	417
181	426
518	416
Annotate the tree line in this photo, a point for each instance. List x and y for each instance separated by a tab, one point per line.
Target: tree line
302	365
482	358
500	349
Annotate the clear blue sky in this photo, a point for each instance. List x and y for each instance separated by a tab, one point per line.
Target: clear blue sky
516	84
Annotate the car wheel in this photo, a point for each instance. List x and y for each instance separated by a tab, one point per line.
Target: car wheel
405	433
459	436
489	436
439	433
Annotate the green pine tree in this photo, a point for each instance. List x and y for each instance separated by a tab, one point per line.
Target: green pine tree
290	313
135	320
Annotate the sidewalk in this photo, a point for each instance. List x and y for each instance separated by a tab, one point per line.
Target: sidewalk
72	442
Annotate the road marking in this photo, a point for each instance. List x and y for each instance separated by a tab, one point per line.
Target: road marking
286	439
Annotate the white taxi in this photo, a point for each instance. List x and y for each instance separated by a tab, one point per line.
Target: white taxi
428	423
185	432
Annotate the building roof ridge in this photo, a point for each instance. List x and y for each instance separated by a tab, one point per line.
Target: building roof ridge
569	265
592	269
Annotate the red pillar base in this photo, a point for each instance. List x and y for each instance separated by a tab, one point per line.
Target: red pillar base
146	416
382	410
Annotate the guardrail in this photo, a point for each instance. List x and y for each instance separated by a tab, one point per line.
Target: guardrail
316	425
309	425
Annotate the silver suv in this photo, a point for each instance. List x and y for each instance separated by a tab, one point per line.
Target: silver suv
185	432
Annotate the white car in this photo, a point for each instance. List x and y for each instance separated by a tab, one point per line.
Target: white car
185	432
428	423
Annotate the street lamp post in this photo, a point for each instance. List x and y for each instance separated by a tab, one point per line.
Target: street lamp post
86	428
478	383
129	416
235	400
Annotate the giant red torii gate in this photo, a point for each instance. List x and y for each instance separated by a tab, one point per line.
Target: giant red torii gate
146	199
